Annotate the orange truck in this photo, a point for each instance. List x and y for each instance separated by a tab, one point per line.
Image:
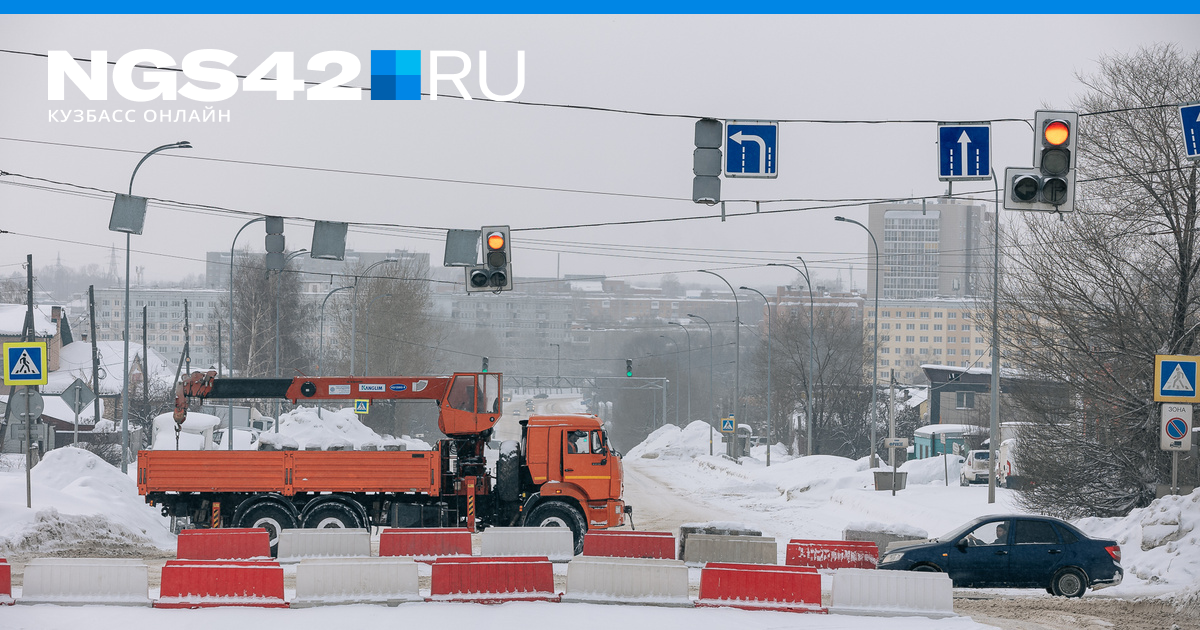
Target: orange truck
562	473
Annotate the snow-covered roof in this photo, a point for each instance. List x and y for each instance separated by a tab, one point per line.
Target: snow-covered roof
961	429
12	321
587	286
75	361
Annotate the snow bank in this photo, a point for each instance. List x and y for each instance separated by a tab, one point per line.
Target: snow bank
672	443
81	506
933	470
1160	543
897	529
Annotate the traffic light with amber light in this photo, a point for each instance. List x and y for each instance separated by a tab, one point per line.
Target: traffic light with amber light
1050	185
628	367
495	274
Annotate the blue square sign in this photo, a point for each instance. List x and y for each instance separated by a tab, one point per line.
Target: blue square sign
751	148
1190	115
25	363
1175	378
964	152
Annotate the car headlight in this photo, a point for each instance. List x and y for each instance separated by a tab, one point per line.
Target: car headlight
892	557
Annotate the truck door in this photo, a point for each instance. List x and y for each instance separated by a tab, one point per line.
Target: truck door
586	462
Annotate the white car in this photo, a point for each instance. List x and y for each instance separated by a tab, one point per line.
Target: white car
975	469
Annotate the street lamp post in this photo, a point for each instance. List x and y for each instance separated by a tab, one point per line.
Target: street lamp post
230	367
689	370
367	357
875	332
710	380
278	290
676	344
770	424
183	144
737	357
354	310
321	336
557	360
811	344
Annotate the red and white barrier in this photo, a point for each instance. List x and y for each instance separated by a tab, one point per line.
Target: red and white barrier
6	598
760	587
233	543
832	554
622	544
80	581
330	542
206	583
425	544
555	543
703	548
325	581
607	580
891	593
492	580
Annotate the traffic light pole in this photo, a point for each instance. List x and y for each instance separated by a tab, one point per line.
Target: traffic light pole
994	424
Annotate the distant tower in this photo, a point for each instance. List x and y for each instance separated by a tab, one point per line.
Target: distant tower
112	265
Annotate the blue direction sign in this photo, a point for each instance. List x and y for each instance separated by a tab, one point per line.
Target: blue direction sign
1175	378
751	148
964	151
25	363
726	425
1191	129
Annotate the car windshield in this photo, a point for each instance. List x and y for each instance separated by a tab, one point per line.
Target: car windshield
982	455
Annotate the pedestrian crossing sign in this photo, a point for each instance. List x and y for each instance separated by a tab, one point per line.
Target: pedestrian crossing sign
362	406
25	363
1175	378
727	425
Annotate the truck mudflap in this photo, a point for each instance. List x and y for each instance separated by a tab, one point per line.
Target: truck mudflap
605	514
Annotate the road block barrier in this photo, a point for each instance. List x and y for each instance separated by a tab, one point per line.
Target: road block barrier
832	554
622	544
759	587
233	543
891	593
738	549
295	544
6	598
207	583
79	581
425	543
324	581
492	580
628	580
555	543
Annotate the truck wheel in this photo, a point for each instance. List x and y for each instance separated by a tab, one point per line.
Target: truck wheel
332	515
559	514
270	517
508	471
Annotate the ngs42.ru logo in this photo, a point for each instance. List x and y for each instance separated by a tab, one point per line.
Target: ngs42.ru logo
395	75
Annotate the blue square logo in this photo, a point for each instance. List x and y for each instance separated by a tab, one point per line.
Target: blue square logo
395	75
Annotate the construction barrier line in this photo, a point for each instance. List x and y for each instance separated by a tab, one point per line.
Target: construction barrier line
424	544
231	543
832	554
205	583
760	587
490	580
621	544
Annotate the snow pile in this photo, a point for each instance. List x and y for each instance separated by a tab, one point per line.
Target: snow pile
81	505
672	443
821	474
896	529
336	428
933	470
1160	543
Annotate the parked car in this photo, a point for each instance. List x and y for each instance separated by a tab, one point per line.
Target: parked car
541	395
1014	552
975	470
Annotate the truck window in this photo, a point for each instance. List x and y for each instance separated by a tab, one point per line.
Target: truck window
491	392
597	442
577	442
462	393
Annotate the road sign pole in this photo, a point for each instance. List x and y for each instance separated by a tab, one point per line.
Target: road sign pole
28	459
1174	472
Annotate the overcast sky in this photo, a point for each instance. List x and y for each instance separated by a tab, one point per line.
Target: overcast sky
730	67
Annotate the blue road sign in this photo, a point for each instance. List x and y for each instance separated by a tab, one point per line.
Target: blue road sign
1176	429
964	152
25	363
727	425
1177	378
751	148
1191	129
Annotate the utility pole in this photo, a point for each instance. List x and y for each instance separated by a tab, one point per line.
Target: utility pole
95	354
28	334
145	368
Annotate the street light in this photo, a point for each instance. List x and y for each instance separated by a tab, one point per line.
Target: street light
689	370
367	358
557	360
231	249
710	380
278	289
354	309
676	344
321	337
182	144
875	332
770	425
737	357
811	344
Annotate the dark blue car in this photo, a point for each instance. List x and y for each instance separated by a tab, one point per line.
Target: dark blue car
1015	552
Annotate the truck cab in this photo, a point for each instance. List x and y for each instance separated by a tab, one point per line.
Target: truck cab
568	459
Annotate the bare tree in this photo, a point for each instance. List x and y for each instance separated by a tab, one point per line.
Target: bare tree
1091	297
255	292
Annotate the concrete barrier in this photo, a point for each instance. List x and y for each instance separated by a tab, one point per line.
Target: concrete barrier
891	593
759	587
883	535
832	554
80	581
234	543
207	583
622	544
295	544
555	543
425	543
492	580
627	581
325	581
703	548
6	598
714	529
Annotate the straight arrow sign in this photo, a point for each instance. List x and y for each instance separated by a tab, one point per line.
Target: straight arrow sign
1190	117
964	151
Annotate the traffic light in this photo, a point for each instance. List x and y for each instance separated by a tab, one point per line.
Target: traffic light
1050	184
484	364
706	161
274	243
628	367
495	274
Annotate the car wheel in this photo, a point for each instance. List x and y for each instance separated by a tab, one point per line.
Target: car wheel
926	568
962	481
1069	582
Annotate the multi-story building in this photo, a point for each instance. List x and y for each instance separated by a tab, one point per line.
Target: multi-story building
937	331
164	320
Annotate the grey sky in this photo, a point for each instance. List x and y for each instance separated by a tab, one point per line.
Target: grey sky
752	67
